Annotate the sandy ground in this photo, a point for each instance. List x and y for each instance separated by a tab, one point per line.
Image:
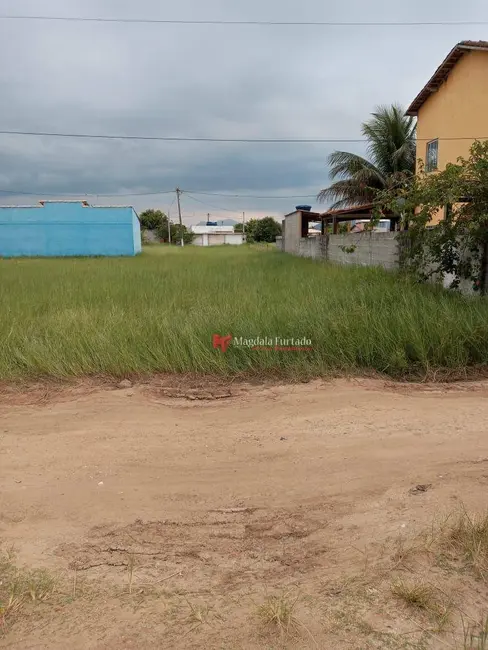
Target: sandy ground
203	509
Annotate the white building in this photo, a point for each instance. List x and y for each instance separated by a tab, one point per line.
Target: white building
216	236
383	225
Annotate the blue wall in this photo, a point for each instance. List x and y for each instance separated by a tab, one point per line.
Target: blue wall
59	229
136	233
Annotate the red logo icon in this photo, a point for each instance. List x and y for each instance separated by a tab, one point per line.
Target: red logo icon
221	342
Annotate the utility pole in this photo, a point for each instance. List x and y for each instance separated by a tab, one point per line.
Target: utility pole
178	192
244	225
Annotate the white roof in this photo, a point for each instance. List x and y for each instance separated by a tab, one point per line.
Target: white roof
206	230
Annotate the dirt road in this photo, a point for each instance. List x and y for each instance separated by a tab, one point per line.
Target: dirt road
171	520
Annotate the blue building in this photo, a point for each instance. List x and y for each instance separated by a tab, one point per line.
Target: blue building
68	228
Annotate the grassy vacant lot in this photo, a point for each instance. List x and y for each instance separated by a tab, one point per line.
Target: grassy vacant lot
157	313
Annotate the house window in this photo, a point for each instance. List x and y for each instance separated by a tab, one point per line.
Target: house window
432	155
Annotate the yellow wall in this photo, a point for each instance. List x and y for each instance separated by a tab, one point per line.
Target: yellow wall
458	109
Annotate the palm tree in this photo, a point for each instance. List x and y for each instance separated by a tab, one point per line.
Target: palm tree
391	151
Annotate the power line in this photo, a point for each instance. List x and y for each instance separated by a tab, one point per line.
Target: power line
132	193
173	138
98	136
84	194
255	196
156	193
260	23
209	205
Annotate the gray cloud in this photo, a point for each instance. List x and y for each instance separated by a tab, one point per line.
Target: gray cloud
206	81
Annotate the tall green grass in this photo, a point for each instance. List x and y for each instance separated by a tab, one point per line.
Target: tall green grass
158	312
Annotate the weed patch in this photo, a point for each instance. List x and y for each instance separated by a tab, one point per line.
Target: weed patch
19	587
467	539
278	613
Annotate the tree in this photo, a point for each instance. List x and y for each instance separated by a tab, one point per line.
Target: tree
157	222
251	230
176	231
267	230
162	230
391	150
152	219
262	230
239	227
163	233
457	245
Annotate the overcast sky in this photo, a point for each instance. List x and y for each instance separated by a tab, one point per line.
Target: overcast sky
205	81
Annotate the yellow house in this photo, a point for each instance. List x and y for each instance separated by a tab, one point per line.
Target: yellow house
452	108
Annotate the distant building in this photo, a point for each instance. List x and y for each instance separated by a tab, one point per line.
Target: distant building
383	225
216	236
314	229
68	228
219	222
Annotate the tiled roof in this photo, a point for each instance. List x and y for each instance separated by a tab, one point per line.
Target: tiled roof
442	72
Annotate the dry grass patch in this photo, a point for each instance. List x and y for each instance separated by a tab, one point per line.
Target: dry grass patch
278	612
476	636
201	614
18	587
407	553
466	538
414	594
426	598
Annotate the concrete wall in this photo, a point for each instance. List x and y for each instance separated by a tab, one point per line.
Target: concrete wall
366	249
150	236
370	249
314	247
236	239
62	229
293	232
465	286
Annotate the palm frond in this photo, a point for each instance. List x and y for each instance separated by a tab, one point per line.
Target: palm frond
346	193
358	180
391	152
391	139
343	164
